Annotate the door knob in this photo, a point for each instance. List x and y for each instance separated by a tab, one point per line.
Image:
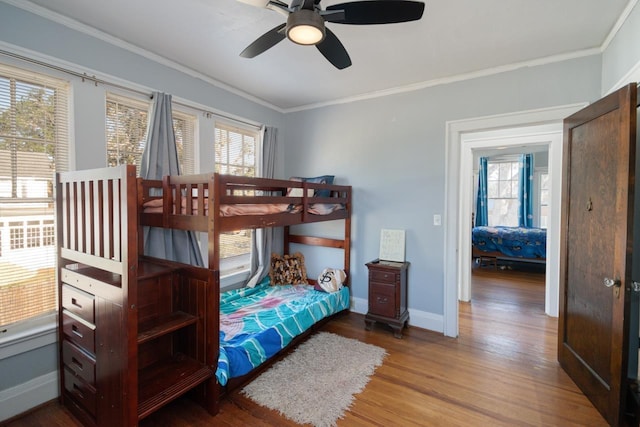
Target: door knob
615	283
611	282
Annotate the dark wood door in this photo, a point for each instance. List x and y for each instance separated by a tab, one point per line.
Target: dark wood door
596	241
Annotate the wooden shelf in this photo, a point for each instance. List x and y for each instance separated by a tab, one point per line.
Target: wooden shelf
148	270
167	380
164	325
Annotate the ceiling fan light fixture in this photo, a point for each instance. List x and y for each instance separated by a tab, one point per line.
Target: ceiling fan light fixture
305	27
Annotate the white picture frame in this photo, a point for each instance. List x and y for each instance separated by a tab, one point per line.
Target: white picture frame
392	244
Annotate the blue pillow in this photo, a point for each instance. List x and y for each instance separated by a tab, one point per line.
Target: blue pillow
324	179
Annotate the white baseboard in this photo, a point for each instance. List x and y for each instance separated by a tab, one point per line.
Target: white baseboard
359	305
426	320
25	396
419	318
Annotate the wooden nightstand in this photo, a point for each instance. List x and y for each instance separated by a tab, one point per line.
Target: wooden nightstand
388	295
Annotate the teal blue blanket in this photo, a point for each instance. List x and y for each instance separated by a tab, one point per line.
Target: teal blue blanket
255	323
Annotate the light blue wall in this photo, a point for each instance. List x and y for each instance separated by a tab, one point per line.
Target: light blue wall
392	151
623	53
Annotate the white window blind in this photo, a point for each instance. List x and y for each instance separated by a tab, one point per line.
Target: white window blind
236	151
126	127
34	142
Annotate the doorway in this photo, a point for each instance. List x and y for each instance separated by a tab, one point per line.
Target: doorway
464	136
517	140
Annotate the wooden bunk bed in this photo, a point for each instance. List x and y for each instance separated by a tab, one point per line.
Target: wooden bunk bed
137	332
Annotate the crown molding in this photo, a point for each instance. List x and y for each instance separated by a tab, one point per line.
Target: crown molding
619	23
452	79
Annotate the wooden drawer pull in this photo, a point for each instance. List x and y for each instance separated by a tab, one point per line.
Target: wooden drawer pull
77	363
76	331
382	300
78	391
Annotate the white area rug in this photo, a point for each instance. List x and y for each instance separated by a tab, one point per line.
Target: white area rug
316	383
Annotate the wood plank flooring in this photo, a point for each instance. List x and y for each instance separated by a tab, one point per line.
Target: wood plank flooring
501	371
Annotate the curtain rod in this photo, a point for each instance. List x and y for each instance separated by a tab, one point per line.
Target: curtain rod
97	81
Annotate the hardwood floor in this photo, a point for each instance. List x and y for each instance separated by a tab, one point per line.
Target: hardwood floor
501	371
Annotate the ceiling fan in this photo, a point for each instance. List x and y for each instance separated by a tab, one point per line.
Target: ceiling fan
306	23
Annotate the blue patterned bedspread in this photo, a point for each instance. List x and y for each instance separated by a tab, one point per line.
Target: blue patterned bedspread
255	323
516	242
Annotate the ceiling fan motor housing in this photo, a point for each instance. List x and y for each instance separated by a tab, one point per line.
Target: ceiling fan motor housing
305	27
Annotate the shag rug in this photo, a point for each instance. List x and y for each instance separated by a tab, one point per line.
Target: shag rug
316	383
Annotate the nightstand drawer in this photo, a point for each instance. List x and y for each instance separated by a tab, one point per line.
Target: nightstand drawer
383	276
79	362
78	302
382	299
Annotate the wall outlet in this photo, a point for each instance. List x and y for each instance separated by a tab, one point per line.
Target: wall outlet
437	220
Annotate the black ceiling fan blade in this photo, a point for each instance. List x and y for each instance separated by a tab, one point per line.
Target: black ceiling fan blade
334	51
265	42
369	12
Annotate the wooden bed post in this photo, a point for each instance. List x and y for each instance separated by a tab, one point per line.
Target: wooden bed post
213	320
347	240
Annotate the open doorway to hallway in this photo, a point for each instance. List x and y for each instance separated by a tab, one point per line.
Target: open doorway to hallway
458	199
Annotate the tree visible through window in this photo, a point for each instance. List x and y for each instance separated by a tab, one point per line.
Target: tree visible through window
126	125
33	145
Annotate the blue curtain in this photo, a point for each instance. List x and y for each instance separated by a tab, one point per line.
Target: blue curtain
160	158
525	210
482	213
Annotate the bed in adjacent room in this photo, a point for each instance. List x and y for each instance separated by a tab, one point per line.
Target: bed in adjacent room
509	243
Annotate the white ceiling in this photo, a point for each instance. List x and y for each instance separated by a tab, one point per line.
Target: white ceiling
454	38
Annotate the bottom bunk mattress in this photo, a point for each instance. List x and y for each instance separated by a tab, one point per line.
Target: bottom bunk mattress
518	242
256	323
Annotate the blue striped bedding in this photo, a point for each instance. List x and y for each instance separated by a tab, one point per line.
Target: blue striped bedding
255	323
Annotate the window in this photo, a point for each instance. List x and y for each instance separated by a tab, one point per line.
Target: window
235	150
126	125
502	192
33	145
543	185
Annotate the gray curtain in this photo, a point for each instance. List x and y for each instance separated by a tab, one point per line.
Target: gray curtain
160	158
262	241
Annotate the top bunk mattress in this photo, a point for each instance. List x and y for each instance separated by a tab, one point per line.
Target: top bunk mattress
256	323
156	206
